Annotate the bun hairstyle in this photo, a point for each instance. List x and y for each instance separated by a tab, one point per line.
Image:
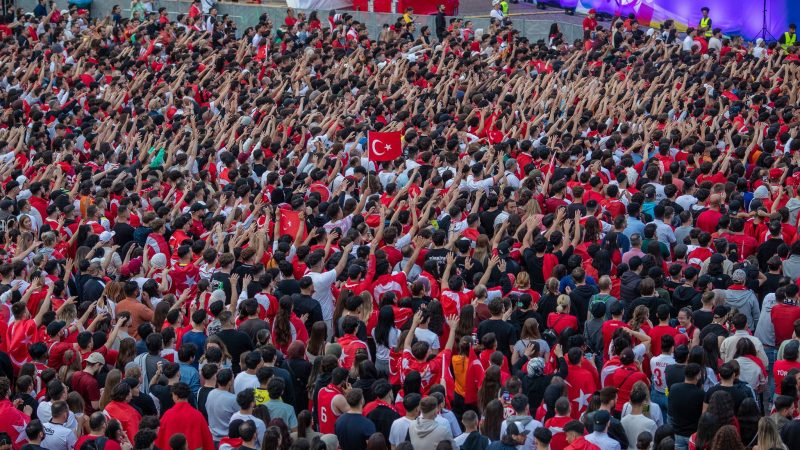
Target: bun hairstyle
563	303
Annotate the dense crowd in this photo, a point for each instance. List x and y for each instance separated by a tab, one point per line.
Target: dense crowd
588	244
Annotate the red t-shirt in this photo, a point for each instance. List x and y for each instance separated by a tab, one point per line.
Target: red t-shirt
708	220
783	317
110	444
623	379
608	329
87	386
560	321
780	369
655	335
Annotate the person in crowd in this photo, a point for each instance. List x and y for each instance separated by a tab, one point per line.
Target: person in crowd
204	223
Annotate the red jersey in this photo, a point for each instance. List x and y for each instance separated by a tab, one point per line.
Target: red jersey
560	321
708	220
783	317
780	370
556	427
326	417
608	329
655	334
623	379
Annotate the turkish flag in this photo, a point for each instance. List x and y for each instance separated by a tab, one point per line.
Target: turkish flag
384	146
21	334
290	222
581	385
13	422
184	276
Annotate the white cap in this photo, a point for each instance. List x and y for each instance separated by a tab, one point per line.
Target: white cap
495	2
106	236
22	179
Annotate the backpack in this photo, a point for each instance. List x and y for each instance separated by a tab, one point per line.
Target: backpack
95	444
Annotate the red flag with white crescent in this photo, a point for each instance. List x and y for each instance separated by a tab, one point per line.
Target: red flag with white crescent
384	146
290	223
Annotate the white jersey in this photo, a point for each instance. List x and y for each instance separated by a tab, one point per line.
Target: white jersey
658	365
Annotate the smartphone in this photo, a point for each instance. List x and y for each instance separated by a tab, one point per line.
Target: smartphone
506	397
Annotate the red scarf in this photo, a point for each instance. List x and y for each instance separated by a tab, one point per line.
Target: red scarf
759	362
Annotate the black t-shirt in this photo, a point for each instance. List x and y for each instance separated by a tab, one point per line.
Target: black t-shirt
222	280
439	255
251	327
505	333
675	374
702	318
383	417
468	274
237	343
353	430
487	221
202	396
738	395
304	304
534	264
715	329
123	233
685	407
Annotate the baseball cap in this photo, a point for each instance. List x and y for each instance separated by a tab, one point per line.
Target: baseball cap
199	206
96	358
55	326
106	236
601	419
132	382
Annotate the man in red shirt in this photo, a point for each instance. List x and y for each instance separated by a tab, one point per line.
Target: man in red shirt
625	377
575	432
783	366
661	329
784	313
331	402
610	326
97	424
85	383
708	219
589	24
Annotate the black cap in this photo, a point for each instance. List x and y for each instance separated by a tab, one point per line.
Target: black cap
55	326
601	419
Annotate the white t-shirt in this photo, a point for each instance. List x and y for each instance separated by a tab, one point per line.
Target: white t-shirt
245	381
688	43
399	430
381	351
658	365
635	424
322	291
261	428
428	336
58	437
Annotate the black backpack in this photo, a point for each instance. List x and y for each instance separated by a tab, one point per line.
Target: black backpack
95	444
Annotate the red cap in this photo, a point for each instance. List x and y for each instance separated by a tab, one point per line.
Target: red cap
592	11
775	173
83	11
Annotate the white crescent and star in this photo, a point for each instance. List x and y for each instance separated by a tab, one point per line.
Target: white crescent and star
376	152
582	400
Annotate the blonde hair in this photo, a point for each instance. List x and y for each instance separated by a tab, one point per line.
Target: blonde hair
563	303
551	285
768	436
523	279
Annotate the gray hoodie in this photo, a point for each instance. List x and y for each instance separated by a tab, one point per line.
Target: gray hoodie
791	267
426	434
523	423
746	302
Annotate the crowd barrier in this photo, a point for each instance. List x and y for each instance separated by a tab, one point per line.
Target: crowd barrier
246	15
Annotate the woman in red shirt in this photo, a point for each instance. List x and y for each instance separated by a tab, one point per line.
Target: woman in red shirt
561	319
